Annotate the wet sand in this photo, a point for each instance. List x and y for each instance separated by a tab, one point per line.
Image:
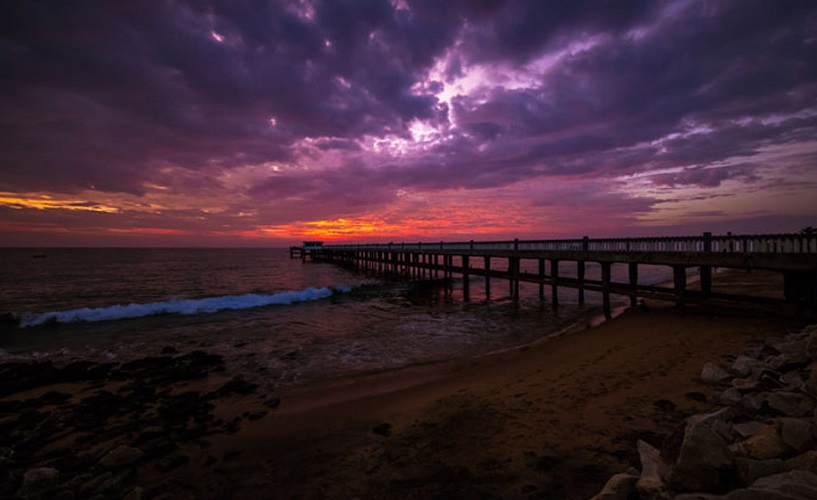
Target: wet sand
551	420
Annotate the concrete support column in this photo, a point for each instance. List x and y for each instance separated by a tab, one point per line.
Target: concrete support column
487	278
633	283
580	271
605	289
466	281
679	280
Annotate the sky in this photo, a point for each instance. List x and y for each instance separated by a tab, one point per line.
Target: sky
264	123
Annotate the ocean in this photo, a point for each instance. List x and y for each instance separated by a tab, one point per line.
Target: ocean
275	320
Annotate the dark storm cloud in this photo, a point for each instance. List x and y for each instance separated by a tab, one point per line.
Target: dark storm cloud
701	82
707	177
95	91
519	30
109	94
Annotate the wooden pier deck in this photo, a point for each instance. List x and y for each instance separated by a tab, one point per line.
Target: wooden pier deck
792	255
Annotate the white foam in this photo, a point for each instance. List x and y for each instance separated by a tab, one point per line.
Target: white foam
181	306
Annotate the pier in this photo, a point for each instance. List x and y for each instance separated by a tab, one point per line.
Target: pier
306	250
792	255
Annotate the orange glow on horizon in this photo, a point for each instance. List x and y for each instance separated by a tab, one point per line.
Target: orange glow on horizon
44	202
150	230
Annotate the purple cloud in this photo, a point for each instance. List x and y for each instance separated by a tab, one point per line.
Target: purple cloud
267	106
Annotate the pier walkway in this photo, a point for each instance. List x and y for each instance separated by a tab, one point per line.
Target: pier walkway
792	255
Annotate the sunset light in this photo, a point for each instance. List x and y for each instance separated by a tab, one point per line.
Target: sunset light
315	119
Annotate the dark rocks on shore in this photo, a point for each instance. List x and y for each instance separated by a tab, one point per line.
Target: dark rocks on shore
143	419
762	445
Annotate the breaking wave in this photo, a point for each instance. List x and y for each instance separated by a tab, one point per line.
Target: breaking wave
179	306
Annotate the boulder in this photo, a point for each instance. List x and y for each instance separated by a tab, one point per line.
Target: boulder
650	484
137	493
121	456
792	380
745	384
764	445
619	487
755	352
746	429
698	496
790	404
718	421
743	365
793	485
810	385
731	395
39	480
797	433
754	401
696	458
714	374
811	342
792	353
805	461
750	470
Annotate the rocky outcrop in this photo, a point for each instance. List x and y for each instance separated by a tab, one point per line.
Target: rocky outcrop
128	415
760	445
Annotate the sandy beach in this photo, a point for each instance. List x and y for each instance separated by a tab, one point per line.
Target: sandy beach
550	420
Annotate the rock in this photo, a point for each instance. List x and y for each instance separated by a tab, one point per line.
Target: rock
750	470
39	480
754	401
797	433
792	380
696	458
16	377
619	487
731	395
723	415
810	385
745	384
105	482
719	421
793	353
791	404
811	342
754	352
747	429
763	445
743	365
121	456
806	461
137	493
769	379
697	496
650	484
793	485
714	374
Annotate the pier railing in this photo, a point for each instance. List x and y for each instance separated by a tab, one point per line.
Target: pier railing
798	243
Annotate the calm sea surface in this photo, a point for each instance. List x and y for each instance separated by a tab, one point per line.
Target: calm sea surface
274	319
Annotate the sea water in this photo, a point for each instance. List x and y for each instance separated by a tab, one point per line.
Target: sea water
274	319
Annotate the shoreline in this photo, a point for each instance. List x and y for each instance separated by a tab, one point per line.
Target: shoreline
554	418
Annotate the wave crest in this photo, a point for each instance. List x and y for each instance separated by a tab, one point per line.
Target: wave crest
179	306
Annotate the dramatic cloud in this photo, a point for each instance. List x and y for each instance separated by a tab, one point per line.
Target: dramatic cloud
264	121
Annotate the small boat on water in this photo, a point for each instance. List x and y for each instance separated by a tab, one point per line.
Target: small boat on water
39	256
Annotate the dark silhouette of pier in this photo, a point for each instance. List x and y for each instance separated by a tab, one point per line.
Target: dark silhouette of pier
792	255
